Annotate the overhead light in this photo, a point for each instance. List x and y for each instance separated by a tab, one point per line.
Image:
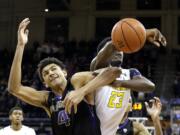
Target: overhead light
46	10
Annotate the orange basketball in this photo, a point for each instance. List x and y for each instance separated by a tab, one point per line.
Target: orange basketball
128	35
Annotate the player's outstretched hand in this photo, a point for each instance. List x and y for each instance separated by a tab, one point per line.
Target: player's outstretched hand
72	99
23	32
154	107
155	37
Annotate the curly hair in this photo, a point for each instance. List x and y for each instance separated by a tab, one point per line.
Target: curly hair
47	61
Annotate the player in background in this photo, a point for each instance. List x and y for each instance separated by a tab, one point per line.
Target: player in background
53	74
16	127
128	127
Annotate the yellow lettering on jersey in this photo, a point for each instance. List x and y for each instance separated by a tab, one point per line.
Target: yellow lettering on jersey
112	99
120	88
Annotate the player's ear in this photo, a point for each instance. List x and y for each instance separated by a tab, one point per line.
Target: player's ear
10	118
23	118
45	85
65	73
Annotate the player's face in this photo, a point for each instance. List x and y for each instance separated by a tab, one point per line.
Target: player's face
54	76
16	116
117	59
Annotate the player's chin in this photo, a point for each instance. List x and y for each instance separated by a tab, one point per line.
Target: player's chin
56	83
18	121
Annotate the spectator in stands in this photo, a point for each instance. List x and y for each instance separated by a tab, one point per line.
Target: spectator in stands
176	86
16	127
42	130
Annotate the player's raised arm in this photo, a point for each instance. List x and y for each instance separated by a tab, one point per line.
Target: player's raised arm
27	94
104	53
154	111
106	49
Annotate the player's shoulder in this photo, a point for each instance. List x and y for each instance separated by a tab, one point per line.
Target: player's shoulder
133	69
5	128
134	72
28	128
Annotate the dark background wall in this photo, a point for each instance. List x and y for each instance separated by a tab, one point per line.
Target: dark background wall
85	19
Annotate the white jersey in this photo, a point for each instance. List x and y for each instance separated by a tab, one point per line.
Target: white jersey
23	131
111	104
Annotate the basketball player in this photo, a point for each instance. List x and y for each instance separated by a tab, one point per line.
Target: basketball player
130	79
53	74
129	127
111	102
16	128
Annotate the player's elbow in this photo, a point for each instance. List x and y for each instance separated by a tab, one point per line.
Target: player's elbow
13	88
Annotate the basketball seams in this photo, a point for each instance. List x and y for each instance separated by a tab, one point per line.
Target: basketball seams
114	35
126	33
124	37
135	32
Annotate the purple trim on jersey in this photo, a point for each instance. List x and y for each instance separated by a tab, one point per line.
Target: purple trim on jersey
57	98
134	72
121	126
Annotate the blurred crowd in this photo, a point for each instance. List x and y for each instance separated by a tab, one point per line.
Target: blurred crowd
176	84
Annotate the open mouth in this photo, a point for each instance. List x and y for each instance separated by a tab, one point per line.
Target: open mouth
52	78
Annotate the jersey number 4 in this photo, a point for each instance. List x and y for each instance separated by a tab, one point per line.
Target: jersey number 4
63	118
115	100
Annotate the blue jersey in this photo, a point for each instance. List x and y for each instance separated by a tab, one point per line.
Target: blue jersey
84	122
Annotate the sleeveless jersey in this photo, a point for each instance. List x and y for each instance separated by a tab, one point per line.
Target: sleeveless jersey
126	128
84	122
111	103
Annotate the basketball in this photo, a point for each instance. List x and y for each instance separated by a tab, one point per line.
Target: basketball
128	35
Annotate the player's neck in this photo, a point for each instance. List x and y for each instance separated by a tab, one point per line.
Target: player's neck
60	89
16	126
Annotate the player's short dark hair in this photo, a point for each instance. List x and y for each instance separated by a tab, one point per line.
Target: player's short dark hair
102	43
15	108
47	61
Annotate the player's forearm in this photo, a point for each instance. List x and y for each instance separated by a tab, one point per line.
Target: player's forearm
103	57
157	125
104	78
15	73
138	85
